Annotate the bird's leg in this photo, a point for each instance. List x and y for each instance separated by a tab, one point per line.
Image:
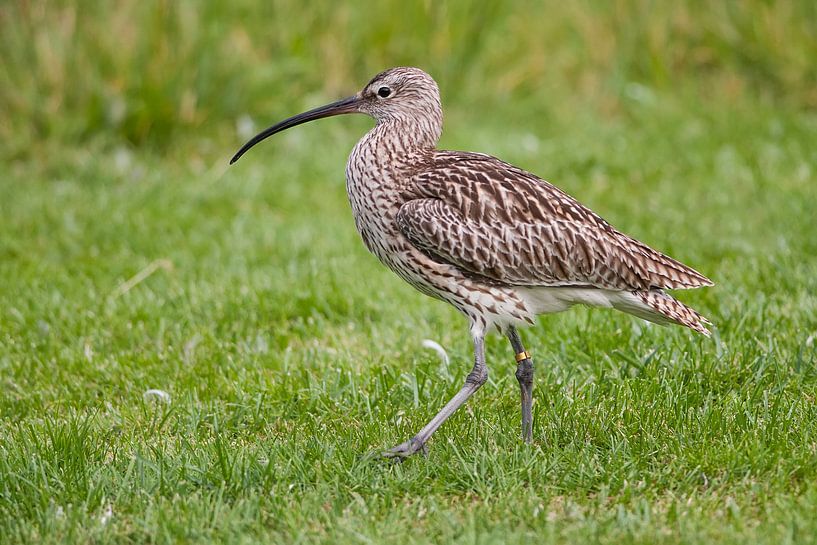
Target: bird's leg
475	379
524	374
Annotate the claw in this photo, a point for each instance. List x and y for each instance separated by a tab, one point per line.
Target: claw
406	449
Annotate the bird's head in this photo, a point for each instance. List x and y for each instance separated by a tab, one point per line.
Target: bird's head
402	95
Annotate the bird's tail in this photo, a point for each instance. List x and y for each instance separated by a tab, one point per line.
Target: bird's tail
659	307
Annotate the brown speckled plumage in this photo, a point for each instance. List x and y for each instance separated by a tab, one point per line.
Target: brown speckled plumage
495	241
471	229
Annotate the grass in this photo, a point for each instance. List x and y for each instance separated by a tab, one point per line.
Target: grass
132	258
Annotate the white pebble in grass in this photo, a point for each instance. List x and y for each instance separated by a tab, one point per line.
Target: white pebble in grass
106	515
156	395
810	339
428	343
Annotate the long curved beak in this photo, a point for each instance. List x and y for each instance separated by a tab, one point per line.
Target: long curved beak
344	106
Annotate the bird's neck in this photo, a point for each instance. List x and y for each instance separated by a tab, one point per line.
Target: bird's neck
387	149
405	135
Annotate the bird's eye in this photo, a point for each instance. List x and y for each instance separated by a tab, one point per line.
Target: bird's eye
383	92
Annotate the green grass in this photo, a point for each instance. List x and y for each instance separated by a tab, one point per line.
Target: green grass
290	353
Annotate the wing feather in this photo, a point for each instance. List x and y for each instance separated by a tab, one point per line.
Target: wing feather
501	223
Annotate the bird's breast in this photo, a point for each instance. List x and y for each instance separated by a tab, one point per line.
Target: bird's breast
375	201
375	191
373	182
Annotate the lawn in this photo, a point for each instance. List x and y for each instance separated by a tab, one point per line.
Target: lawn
133	258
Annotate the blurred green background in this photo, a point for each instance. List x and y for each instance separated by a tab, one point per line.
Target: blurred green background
148	73
132	257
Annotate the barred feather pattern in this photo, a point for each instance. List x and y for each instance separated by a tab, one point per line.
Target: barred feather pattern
495	241
667	306
503	223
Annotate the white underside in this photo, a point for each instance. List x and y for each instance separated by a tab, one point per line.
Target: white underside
549	300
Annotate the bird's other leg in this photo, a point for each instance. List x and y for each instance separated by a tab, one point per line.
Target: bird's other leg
524	374
476	378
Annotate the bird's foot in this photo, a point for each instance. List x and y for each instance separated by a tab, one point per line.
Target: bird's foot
406	449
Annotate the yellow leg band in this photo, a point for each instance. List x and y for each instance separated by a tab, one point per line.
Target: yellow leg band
523	356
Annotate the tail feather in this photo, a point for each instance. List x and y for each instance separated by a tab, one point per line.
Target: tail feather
657	306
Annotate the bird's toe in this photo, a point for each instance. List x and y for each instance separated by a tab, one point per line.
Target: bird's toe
406	449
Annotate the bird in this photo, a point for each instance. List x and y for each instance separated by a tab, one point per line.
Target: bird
500	244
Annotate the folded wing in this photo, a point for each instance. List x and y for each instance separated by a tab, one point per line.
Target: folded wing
506	225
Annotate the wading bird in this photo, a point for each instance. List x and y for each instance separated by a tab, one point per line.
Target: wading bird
498	243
